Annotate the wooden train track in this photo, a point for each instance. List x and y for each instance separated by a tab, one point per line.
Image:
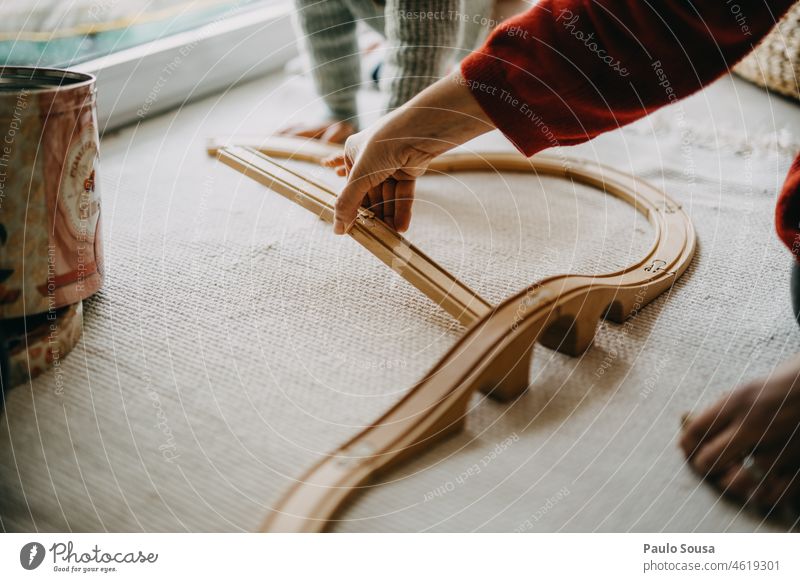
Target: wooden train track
494	354
375	235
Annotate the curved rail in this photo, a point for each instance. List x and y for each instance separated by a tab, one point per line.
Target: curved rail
494	355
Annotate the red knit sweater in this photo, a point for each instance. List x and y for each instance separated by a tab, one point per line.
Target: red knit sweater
566	71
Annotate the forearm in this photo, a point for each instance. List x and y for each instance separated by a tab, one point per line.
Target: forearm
568	70
330	35
443	116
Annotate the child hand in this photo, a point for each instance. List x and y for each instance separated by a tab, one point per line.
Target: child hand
331	131
748	443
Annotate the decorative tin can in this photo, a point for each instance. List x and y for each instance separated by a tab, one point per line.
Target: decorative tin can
31	345
50	249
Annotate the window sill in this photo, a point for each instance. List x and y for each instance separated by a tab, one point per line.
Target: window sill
155	77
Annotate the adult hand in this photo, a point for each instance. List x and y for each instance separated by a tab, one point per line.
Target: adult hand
383	162
382	172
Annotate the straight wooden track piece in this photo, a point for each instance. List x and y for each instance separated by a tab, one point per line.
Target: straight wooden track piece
494	354
285	148
373	234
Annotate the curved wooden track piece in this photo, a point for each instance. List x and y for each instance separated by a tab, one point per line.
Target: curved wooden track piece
494	355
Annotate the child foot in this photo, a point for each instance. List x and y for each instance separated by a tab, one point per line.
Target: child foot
327	131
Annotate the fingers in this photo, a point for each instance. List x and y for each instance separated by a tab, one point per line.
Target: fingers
361	178
358	187
331	131
336	162
302	131
755	489
338	132
346	209
388	194
375	201
787	457
369	163
732	443
708	423
342	163
739	483
289	130
761	486
403	200
785	490
390	201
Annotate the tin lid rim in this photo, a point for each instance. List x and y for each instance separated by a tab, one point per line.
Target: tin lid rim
57	79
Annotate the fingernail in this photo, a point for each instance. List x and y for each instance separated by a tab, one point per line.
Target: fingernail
338	227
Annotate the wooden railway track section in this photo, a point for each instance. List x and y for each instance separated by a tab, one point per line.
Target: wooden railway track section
560	312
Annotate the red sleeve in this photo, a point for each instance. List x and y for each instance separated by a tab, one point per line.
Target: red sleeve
568	70
787	211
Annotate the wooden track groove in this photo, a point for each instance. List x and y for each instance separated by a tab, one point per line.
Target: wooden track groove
375	235
495	352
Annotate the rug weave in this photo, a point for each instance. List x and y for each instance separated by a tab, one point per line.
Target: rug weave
237	340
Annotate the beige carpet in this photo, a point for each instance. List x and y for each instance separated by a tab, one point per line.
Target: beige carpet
236	339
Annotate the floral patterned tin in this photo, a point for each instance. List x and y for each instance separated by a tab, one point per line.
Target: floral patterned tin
50	247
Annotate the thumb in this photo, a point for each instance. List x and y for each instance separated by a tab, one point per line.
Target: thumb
359	181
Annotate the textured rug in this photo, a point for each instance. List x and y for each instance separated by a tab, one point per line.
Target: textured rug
236	339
